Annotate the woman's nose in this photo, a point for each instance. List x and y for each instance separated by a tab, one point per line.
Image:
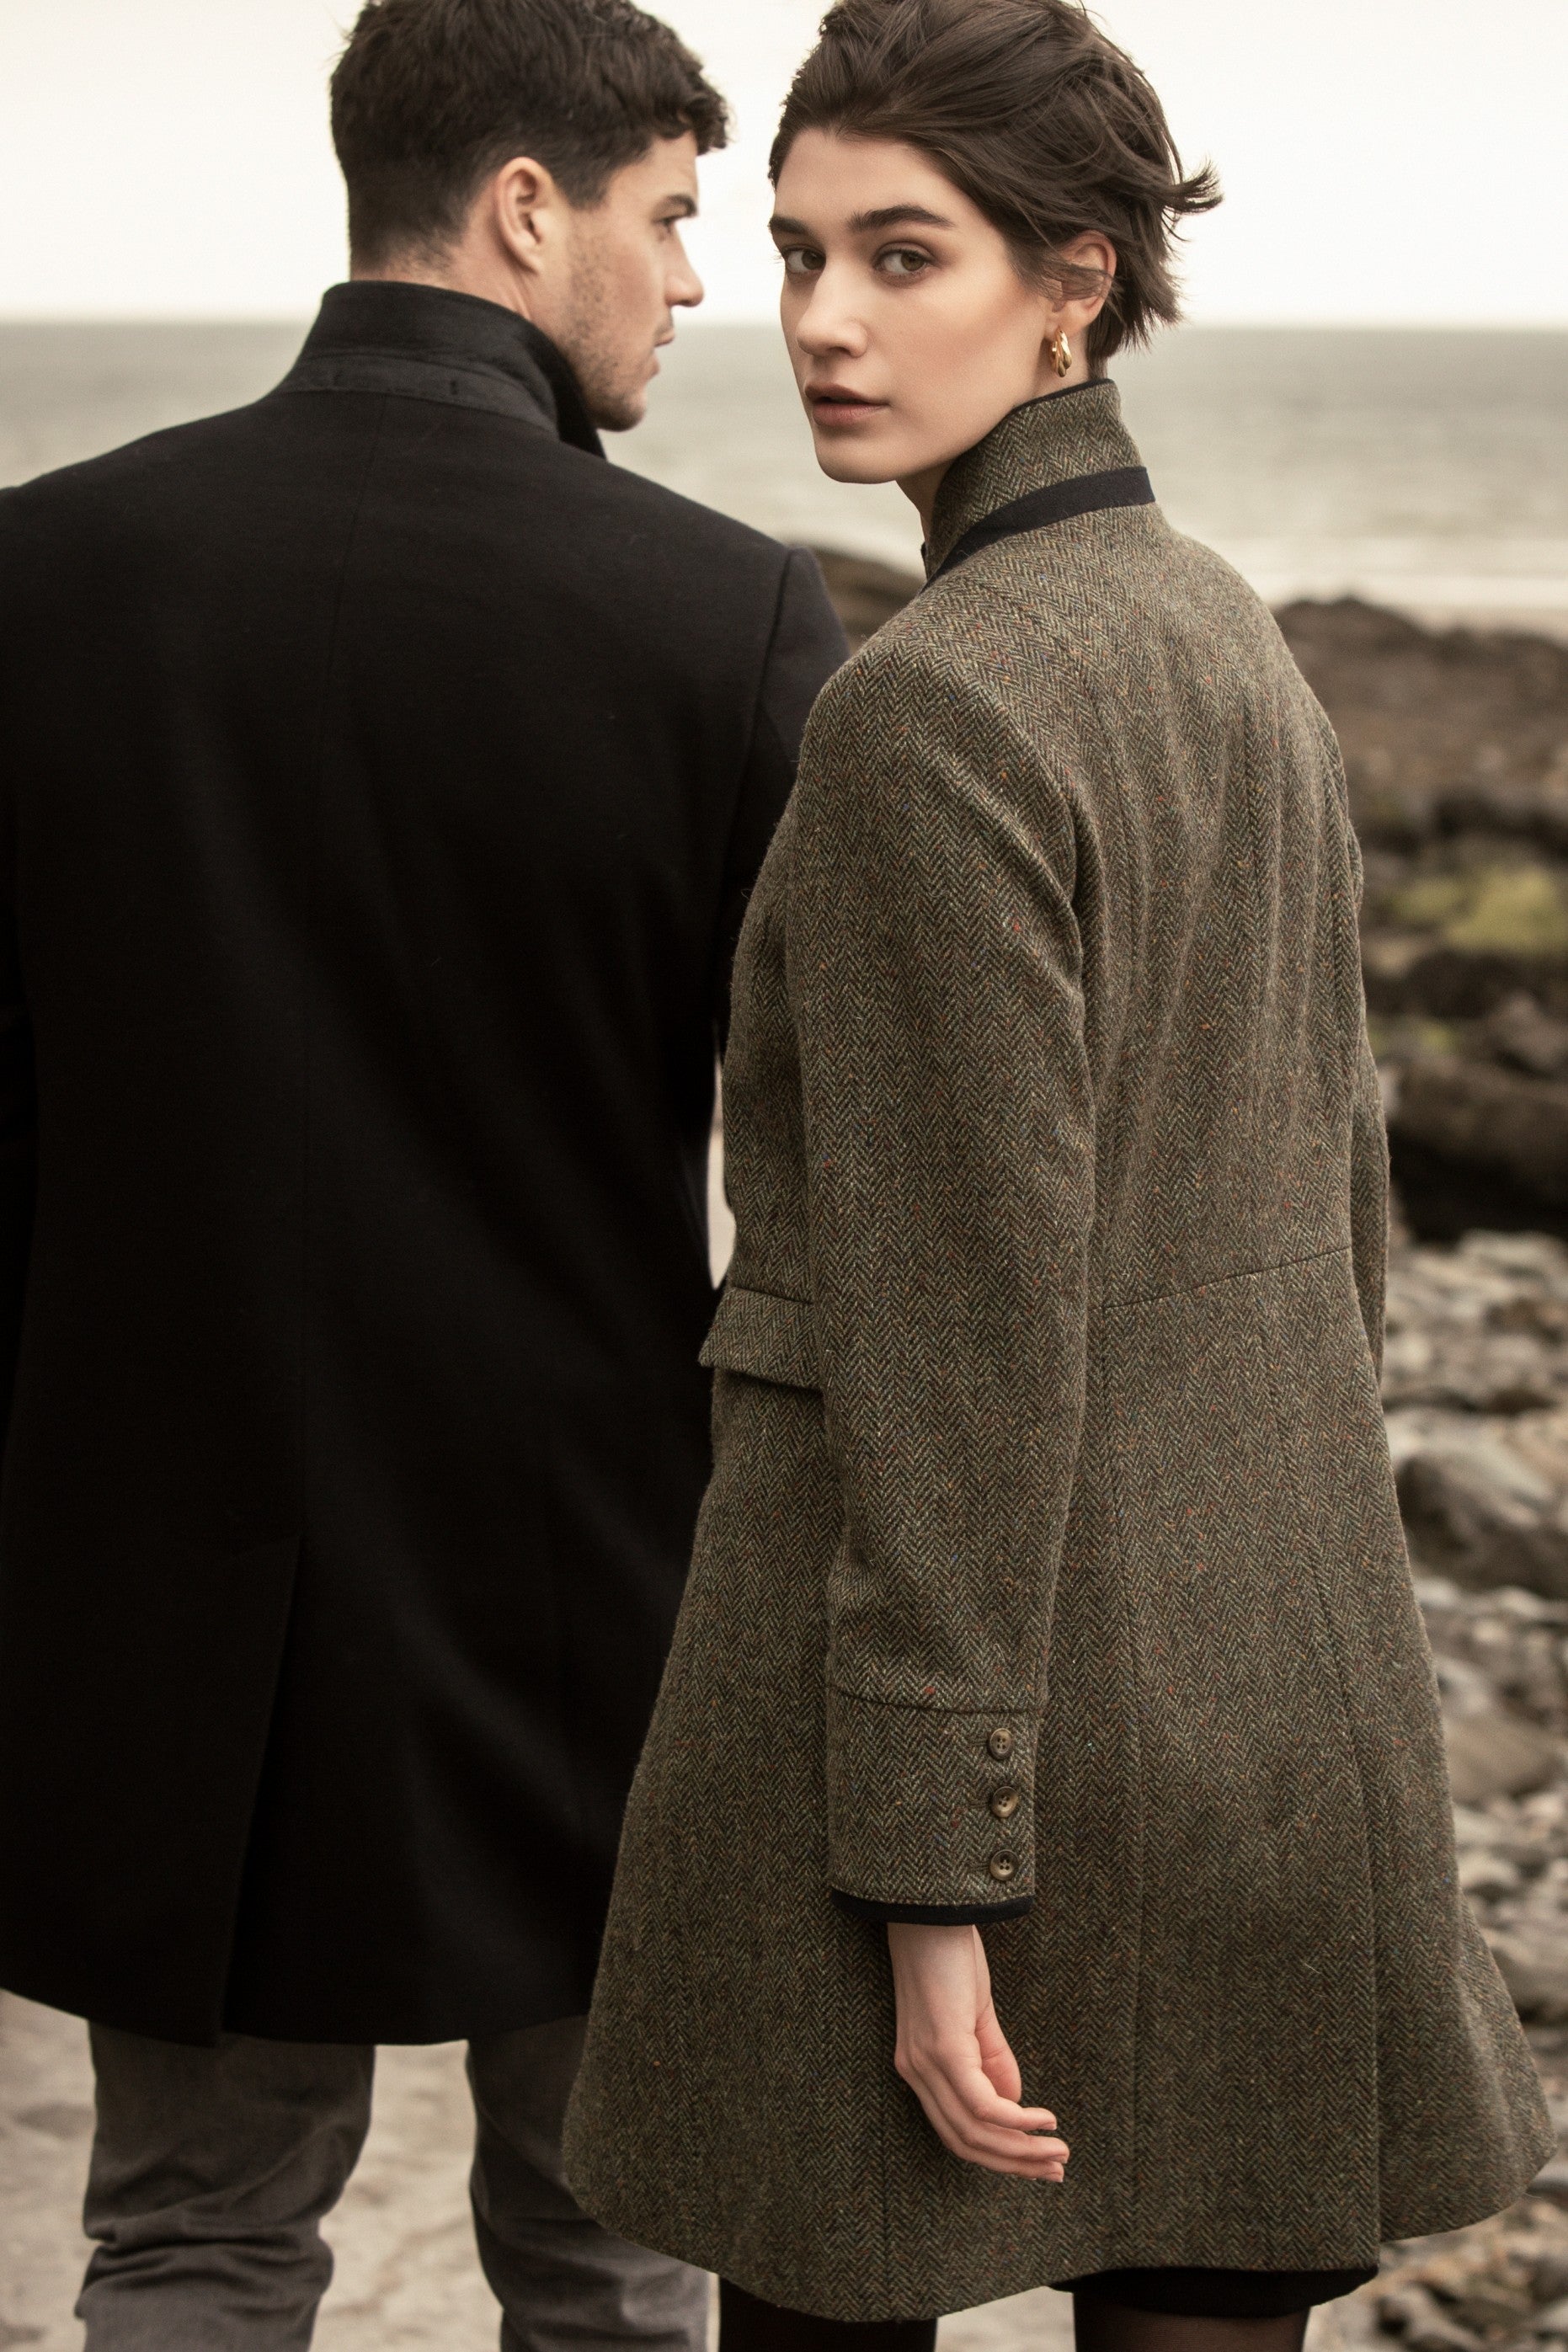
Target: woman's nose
827	324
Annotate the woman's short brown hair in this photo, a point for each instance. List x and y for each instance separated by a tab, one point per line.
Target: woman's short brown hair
1041	122
430	97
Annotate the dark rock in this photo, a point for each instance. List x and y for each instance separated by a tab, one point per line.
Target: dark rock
1407	975
1456	748
1442	1200
1535	1966
1536	812
1475	1389
1523	1033
1489	1121
1498	1755
1485	1876
1471	1511
1444	730
866	593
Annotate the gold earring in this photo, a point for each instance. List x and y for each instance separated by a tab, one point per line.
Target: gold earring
1061	354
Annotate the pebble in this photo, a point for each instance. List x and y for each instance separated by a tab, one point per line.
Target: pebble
1414	2313
1488	1876
1475	1392
1503	2283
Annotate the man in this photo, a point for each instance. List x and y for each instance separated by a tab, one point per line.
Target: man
384	777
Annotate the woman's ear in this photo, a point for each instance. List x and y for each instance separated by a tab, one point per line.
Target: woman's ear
1081	306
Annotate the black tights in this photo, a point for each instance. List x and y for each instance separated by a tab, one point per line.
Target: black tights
748	2325
1098	2326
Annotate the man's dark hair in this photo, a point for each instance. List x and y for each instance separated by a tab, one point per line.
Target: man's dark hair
1041	122
431	97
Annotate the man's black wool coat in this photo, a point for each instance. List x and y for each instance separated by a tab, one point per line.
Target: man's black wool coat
383	776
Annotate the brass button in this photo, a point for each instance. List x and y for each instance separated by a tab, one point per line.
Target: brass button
1001	1743
1002	1867
1004	1802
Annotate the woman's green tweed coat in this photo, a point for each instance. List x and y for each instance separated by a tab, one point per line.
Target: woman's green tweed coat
1048	1407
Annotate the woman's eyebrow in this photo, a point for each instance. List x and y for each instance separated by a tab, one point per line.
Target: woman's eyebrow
863	224
892	215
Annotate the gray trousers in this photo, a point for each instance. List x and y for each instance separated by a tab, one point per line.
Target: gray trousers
213	2170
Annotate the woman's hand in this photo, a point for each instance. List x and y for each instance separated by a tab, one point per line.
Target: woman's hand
954	2057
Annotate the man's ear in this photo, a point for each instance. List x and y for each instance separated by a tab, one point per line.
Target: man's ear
524	207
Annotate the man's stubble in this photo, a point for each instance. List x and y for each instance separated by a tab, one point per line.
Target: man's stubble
612	376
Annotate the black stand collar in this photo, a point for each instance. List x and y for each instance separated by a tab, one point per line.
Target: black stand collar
425	343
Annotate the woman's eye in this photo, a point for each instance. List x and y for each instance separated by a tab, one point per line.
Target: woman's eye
904	261
800	261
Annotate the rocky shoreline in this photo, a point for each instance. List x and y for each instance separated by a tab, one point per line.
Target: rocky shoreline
1475	1392
1455	747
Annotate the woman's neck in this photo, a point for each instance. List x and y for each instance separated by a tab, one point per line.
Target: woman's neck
922	488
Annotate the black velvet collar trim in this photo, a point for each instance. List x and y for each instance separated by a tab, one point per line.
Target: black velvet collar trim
1122	486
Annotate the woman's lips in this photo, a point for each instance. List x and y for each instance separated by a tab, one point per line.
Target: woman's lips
836	408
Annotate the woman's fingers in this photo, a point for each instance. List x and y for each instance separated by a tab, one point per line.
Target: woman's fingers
1001	2147
1015	2153
959	2065
977	2122
992	2138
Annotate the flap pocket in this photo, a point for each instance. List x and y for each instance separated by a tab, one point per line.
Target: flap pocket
769	1339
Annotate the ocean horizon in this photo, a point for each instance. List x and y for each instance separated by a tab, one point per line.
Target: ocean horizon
1422	468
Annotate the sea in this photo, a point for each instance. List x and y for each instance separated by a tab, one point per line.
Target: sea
1425	470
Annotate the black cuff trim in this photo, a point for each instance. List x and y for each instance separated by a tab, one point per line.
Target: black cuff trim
933	1915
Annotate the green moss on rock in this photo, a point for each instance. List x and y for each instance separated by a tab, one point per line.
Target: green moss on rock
1514	909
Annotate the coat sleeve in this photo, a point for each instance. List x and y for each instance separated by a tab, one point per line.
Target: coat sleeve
934	970
807	645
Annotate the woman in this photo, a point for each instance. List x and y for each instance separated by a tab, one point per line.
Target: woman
1050	1623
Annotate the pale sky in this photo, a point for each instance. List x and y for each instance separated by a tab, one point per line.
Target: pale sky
1386	161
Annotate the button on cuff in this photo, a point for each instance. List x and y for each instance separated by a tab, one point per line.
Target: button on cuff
917	1796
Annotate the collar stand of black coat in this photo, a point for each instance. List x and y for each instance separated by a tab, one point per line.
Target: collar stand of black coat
427	342
1056	439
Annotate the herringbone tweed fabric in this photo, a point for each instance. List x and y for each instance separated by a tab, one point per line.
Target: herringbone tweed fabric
1047	1405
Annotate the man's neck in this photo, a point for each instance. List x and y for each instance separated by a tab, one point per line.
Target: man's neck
457	274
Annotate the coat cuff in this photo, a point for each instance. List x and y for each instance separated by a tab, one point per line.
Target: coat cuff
932	1915
931	1808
